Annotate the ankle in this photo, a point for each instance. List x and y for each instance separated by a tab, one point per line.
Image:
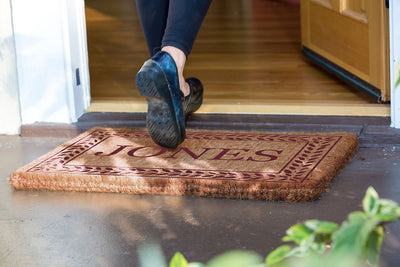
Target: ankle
185	88
178	56
180	59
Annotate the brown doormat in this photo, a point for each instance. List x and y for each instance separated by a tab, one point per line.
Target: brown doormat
254	165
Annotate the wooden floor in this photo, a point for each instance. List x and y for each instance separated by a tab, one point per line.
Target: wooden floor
247	55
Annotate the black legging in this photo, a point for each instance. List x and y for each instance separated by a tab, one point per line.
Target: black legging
171	22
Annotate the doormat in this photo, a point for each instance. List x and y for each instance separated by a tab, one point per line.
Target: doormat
228	164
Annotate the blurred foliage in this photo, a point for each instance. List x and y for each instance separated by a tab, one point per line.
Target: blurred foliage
355	243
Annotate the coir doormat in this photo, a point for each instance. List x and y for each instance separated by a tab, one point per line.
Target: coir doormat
253	165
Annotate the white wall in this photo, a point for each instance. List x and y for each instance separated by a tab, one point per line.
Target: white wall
9	99
45	60
395	61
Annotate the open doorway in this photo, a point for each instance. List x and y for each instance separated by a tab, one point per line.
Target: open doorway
247	54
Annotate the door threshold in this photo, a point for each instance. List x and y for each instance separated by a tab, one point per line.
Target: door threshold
331	109
371	131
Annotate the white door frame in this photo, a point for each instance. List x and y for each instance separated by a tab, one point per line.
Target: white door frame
51	50
394	25
51	59
10	117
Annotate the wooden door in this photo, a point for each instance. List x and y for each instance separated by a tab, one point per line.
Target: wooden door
349	38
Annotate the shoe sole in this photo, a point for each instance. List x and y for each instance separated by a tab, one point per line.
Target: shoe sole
162	122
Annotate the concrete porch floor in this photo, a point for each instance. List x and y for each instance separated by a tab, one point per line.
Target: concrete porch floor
42	228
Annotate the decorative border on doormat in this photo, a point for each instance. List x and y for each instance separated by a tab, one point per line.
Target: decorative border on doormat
304	177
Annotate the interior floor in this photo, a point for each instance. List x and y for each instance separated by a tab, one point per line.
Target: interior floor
247	54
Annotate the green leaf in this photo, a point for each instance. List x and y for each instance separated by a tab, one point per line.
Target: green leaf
327	260
386	217
353	234
326	228
297	233
312	224
372	249
357	215
322	234
195	264
178	260
386	205
236	258
365	231
388	210
301	251
319	247
277	255
370	201
321	227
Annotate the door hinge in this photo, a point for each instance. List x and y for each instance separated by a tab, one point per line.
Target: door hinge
387	3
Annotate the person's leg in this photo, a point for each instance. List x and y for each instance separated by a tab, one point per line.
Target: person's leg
169	97
172	25
153	16
183	24
171	22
